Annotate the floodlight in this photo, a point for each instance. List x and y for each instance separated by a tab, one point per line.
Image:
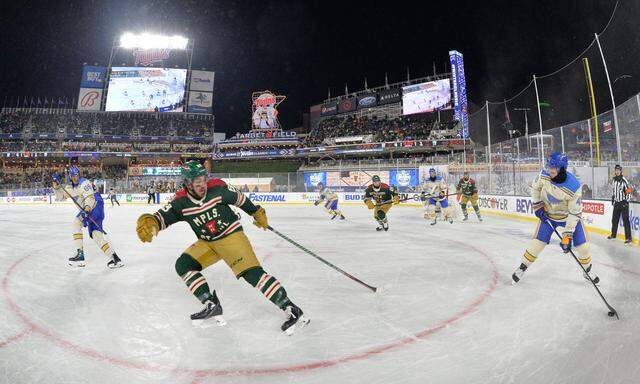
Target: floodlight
151	41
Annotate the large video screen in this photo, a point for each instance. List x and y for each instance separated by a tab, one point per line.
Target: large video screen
426	97
146	89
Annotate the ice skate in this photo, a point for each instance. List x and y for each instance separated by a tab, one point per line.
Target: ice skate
115	262
517	275
78	260
295	320
592	275
210	315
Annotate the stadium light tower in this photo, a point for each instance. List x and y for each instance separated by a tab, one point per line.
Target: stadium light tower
147	40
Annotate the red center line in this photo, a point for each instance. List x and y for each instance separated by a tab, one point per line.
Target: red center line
200	374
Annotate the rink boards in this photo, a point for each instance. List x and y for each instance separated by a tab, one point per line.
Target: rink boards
596	213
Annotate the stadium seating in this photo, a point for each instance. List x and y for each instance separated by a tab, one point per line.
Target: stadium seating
383	130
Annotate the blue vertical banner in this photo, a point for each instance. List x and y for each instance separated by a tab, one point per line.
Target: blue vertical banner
313	178
403	178
459	91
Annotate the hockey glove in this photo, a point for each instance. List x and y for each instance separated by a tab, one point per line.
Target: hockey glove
539	211
396	199
260	218
147	227
369	204
567	239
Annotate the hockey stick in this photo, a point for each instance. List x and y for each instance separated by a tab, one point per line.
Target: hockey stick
612	311
447	195
82	211
417	197
391	202
301	247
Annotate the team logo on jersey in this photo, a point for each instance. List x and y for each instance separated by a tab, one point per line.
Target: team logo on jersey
212	227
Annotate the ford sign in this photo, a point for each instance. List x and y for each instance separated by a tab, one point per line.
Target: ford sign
367	101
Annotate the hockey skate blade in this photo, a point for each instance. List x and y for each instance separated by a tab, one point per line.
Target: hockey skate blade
301	323
75	265
210	322
115	266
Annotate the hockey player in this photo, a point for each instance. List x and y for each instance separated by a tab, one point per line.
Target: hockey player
91	216
379	197
205	206
556	197
331	201
434	192
467	191
113	197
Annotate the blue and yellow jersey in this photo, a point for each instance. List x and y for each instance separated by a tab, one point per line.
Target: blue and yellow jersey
562	201
434	187
328	195
82	193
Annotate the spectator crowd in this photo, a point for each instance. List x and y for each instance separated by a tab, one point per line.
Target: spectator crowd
105	123
383	130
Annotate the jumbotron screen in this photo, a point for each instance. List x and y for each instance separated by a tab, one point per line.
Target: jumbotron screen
426	97
145	89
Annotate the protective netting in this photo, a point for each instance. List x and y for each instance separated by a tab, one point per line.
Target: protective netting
524	128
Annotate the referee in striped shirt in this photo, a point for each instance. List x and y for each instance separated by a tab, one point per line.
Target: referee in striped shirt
620	200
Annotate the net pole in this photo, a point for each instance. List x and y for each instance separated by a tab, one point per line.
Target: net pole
593	169
486	104
540	143
594	109
526	130
613	102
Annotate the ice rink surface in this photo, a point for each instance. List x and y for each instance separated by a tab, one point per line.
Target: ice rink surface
447	313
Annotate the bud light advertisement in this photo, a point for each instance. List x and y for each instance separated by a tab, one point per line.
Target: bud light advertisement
311	179
404	178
